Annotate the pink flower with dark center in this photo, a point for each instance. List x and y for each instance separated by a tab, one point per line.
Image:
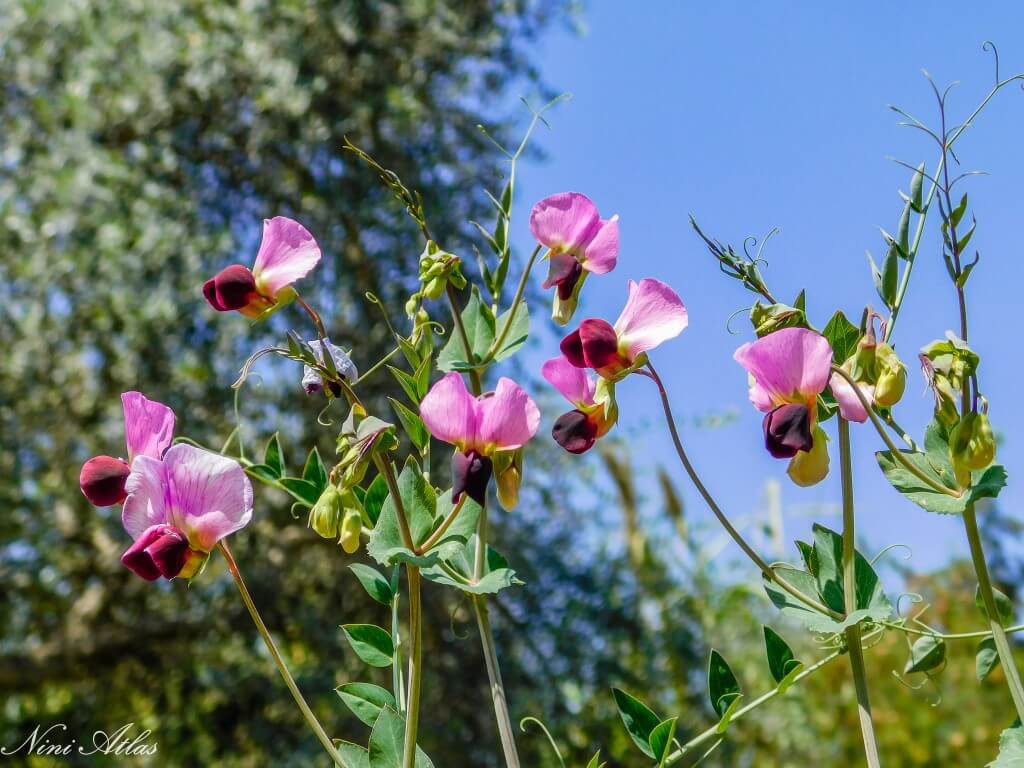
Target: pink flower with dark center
148	431
789	369
579	241
287	253
478	427
179	507
578	429
653	314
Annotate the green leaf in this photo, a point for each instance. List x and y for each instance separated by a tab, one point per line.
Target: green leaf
374	499
927	653
354	755
423	378
273	457
1004	606
780	656
638	718
734	704
790	678
986	658
263	473
479	324
842	335
387	742
722	684
1011	748
315	472
419	501
796	610
517	334
595	761
412	424
371	643
916	184
376	586
458	569
915	489
407	382
828	548
890	276
661	739
365	700
302	490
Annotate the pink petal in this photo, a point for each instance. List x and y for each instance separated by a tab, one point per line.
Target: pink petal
653	314
148	425
148	499
602	252
509	418
572	382
791	365
850	407
449	411
287	253
564	222
209	495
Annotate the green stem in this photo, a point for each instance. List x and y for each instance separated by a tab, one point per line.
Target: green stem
516	301
443	528
928	632
412	716
275	654
460	328
397	683
376	367
988	599
501	713
766	569
853	637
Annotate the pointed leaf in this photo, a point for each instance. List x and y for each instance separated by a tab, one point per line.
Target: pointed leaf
373	581
365	700
927	653
387	742
371	643
986	658
780	656
315	472
273	457
722	684
638	718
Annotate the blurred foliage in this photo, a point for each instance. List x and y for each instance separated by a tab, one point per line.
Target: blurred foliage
141	143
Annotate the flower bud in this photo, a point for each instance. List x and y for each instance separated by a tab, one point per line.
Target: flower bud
891	376
325	516
810	467
508	474
351	528
768	318
972	446
102	480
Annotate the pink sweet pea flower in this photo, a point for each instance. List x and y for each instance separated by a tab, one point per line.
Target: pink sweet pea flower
287	253
579	429
653	314
578	241
478	427
789	369
148	431
850	407
179	507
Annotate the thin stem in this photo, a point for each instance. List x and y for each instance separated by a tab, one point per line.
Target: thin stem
1003	648
443	528
896	453
853	638
768	572
289	681
501	713
376	366
949	635
384	467
313	315
516	301
412	716
460	328
397	683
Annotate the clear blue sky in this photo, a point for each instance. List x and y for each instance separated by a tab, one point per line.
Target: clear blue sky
775	114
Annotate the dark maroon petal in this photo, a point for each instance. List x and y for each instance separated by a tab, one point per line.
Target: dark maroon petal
102	480
567	283
572	348
234	287
471	473
575	431
138	560
600	344
210	292
787	430
169	553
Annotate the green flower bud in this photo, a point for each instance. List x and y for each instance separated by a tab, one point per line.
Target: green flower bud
562	310
972	446
891	376
351	528
325	516
768	318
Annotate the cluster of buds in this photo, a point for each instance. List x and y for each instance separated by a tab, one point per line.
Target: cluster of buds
877	369
338	514
438	269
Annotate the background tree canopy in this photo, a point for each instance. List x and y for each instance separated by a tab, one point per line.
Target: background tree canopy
141	144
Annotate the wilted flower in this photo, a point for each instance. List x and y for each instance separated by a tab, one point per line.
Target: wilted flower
312	381
179	507
789	369
478	427
148	431
579	241
579	429
653	314
287	253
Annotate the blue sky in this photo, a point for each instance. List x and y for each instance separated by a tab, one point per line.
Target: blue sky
753	116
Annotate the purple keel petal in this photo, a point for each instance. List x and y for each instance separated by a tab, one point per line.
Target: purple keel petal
573	382
509	418
102	480
287	253
564	222
449	411
148	425
575	431
209	495
653	314
138	560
